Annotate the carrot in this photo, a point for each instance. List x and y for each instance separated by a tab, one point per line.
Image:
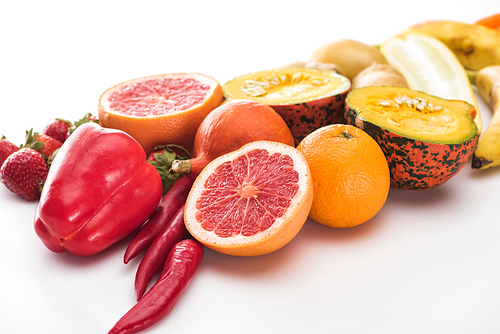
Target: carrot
492	21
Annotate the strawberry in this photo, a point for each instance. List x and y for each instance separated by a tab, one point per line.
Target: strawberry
61	129
24	172
58	129
51	144
44	144
6	149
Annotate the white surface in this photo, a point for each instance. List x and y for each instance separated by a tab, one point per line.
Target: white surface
429	262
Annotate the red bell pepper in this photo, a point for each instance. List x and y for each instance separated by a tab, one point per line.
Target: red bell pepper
99	189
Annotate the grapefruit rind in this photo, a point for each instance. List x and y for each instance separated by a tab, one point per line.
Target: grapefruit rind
283	230
178	127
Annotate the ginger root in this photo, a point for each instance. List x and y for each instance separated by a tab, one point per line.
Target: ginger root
379	75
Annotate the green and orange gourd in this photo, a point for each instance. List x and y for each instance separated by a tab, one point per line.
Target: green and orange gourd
305	98
425	139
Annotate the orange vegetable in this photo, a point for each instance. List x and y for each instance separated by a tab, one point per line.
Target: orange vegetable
492	21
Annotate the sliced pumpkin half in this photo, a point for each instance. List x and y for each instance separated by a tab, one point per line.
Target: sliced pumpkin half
306	98
428	65
415	114
425	139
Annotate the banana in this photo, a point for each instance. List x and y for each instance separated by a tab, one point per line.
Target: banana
474	45
487	152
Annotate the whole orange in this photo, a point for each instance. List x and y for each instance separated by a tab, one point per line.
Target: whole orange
350	175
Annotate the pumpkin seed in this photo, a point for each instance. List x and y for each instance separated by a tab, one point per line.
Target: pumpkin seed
417	103
259	87
392	121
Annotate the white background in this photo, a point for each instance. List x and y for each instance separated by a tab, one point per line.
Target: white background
429	262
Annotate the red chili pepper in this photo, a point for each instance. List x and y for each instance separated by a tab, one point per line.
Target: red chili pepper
155	256
180	267
99	189
169	205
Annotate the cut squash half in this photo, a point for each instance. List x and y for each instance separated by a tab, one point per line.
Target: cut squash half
425	139
306	98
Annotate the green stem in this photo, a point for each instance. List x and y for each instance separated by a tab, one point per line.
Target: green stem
346	135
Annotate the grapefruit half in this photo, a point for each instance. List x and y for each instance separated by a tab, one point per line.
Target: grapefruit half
251	201
160	109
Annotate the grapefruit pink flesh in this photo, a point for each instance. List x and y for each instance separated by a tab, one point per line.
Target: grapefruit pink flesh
245	196
159	96
160	109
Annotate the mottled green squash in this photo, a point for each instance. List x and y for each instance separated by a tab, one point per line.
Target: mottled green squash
306	98
425	139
